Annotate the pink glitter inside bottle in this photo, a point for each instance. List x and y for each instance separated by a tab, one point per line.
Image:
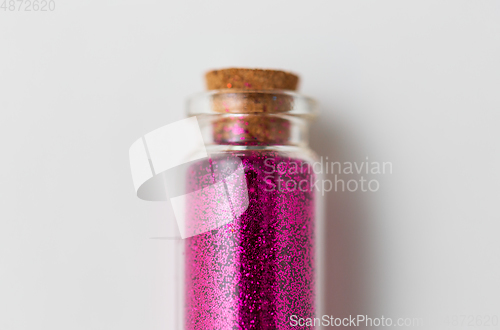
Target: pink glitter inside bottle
257	268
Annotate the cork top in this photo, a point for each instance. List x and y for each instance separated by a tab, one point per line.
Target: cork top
251	79
254	94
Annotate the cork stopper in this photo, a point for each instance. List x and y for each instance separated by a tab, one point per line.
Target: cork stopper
255	79
254	127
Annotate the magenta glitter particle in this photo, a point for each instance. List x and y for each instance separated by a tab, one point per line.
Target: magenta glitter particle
258	269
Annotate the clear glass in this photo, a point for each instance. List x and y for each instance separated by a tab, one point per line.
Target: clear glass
252	255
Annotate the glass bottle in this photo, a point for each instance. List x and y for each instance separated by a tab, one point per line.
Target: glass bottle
251	257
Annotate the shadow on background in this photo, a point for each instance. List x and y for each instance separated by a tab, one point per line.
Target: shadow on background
347	241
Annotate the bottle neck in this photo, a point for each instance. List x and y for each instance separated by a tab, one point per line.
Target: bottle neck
254	130
253	117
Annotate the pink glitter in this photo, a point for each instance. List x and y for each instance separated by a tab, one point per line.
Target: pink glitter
257	270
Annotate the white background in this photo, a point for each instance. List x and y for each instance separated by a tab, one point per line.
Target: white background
415	83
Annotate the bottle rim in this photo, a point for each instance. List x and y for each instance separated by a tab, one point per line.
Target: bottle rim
257	102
